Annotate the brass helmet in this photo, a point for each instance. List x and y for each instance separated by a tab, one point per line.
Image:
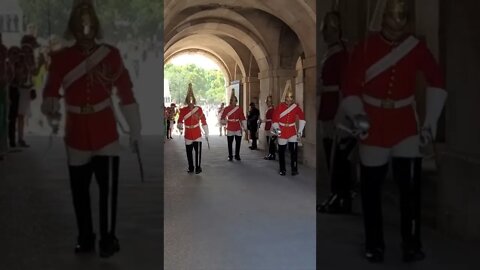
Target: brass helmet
288	94
190	98
331	27
269	101
389	14
233	98
83	22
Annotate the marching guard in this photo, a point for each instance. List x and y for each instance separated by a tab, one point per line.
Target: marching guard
380	98
338	145
234	118
271	137
191	118
87	72
284	118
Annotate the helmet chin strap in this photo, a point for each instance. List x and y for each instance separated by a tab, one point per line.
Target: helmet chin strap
86	30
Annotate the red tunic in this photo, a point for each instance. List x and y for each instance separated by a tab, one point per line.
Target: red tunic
268	118
192	123
287	122
333	68
233	121
89	132
389	126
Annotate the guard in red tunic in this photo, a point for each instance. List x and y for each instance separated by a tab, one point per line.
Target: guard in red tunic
191	118
87	72
284	117
338	161
380	89
234	118
271	137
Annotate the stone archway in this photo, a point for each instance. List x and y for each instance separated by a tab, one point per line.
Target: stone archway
257	42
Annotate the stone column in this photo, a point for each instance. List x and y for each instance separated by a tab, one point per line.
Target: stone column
459	185
310	138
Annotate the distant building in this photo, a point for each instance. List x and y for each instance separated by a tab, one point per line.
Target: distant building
167	98
11	22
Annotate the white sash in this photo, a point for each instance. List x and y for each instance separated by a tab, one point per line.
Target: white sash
331	51
288	110
232	111
392	58
194	110
85	66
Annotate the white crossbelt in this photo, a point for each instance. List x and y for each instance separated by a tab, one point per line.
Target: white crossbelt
89	109
388	103
268	120
233	120
193	126
286	124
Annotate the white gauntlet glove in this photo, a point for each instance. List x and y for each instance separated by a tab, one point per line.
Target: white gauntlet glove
131	113
205	131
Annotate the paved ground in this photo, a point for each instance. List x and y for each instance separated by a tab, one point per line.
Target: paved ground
237	215
340	237
37	227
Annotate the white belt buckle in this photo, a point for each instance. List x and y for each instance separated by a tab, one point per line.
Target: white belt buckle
388	103
87	109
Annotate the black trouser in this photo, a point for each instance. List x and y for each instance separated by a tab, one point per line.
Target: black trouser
293	148
238	141
169	134
272	148
406	172
14	96
198	155
341	168
105	169
253	136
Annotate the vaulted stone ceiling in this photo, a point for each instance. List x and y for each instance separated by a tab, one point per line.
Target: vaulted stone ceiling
244	36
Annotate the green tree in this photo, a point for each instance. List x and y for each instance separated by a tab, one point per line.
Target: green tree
141	18
208	85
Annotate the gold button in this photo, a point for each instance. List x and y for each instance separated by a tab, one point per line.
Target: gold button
389	92
393	70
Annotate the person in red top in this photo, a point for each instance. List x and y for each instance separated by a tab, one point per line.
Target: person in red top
235	120
284	117
333	67
271	138
87	72
191	118
379	92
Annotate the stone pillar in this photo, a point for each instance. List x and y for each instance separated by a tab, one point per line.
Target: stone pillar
459	185
310	133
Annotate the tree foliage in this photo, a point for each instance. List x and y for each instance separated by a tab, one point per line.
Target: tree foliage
140	18
208	85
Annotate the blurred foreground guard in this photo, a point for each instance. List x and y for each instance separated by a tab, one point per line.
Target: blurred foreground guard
338	145
88	72
190	118
284	118
380	88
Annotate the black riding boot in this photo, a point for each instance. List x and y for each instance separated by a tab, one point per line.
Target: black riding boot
238	141
230	148
281	158
407	174
198	156
80	178
293	147
106	174
371	183
189	148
